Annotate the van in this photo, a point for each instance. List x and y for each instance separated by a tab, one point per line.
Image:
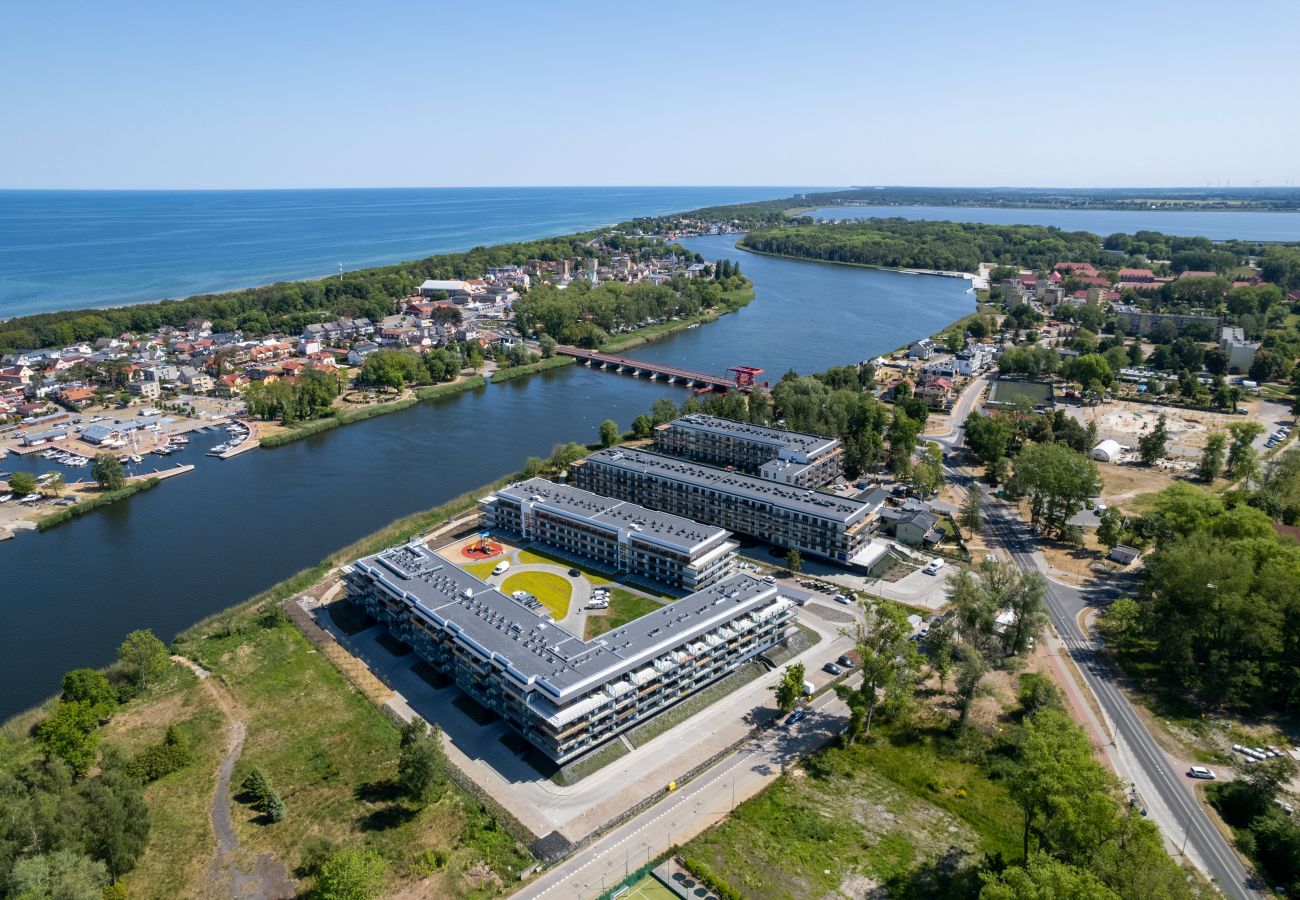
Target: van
933	567
501	568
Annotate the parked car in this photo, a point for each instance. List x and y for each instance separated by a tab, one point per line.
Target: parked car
833	669
933	566
843	598
768	579
795	716
501	568
1200	772
575	573
845	662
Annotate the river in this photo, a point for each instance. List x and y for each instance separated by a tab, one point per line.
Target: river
204	541
1216	224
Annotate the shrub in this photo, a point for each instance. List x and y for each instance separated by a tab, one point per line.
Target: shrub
171	755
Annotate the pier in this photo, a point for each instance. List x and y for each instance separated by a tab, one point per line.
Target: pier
742	378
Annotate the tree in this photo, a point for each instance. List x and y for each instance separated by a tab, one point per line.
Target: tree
55	486
1058	480
889	665
971	670
351	875
91	687
993	587
643	427
1152	445
60	875
534	466
971	514
107	472
609	433
145	655
171	755
663	410
116	820
1110	533
1211	462
547	345
790	688
793	561
70	733
1121	624
927	473
1243	461
1044	878
422	765
22	483
1089	369
257	786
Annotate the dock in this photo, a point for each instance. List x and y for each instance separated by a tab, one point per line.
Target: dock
742	378
165	473
248	443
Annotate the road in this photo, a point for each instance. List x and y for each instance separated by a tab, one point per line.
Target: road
692	808
1164	787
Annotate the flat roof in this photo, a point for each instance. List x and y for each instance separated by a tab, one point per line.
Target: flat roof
534	649
811	445
746	487
674	532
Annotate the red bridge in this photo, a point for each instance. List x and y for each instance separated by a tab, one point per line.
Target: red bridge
742	378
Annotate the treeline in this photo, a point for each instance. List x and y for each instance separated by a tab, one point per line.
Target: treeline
585	315
285	307
1219	610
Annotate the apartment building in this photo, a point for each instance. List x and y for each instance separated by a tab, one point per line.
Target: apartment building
614	533
792	457
1141	322
564	695
813	522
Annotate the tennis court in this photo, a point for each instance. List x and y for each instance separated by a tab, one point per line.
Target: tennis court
647	888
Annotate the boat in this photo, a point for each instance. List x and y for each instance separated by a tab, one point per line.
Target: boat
180	439
692	325
137	458
30	498
163	450
5	498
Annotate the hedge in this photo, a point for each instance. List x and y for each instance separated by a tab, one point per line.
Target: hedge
711	880
69	513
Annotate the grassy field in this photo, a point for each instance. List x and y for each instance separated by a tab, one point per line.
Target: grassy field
482	570
537	557
850	819
553	590
624	606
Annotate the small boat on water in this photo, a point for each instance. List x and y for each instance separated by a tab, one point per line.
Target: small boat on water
137	458
180	439
163	450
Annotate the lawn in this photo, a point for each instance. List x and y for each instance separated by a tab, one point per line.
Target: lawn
879	812
624	606
648	888
533	556
482	570
553	590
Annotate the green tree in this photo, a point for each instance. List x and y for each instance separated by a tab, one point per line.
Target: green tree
793	560
547	345
978	595
91	687
971	514
643	427
60	875
351	875
422	765
257	786
22	483
1152	445
927	473
1044	878
1243	461
889	666
107	472
1121	624
144	655
790	688
1211	462
663	410
70	733
1089	369
971	669
609	433
115	819
172	754
1110	533
1058	480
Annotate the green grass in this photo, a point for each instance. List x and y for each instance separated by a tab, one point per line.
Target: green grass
538	557
554	591
575	771
879	810
481	570
68	513
648	888
624	606
554	362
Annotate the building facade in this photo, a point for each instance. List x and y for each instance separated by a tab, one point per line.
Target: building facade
792	457
614	533
1140	321
811	522
564	695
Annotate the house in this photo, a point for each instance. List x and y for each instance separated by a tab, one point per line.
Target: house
162	372
231	385
145	390
15	376
1076	269
1136	276
1124	555
936	392
922	349
434	286
76	397
973	359
912	524
360	350
198	382
100	433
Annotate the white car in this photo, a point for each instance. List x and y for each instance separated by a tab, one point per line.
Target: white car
933	567
501	567
1200	772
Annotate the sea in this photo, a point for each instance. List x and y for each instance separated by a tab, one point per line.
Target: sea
78	249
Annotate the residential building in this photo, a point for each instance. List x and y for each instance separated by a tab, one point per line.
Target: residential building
922	349
936	392
791	457
815	523
913	524
145	390
974	359
1140	322
76	397
564	695
1240	352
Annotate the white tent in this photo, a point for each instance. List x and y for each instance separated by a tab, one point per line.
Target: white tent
1106	451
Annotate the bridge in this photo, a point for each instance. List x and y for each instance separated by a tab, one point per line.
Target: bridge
742	377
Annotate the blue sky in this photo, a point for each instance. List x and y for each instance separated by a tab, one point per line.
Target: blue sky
239	94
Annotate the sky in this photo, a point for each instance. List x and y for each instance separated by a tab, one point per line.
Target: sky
278	94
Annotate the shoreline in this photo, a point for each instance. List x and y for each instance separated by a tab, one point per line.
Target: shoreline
938	273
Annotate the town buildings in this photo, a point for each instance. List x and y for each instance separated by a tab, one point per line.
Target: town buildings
812	522
616	534
791	457
564	695
1240	352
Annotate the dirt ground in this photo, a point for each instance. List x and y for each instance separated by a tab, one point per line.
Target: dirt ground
1121	484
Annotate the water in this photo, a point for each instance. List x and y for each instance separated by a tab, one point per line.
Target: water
75	249
209	539
1217	225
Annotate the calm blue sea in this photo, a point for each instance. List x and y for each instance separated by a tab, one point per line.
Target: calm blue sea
1217	225
73	249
